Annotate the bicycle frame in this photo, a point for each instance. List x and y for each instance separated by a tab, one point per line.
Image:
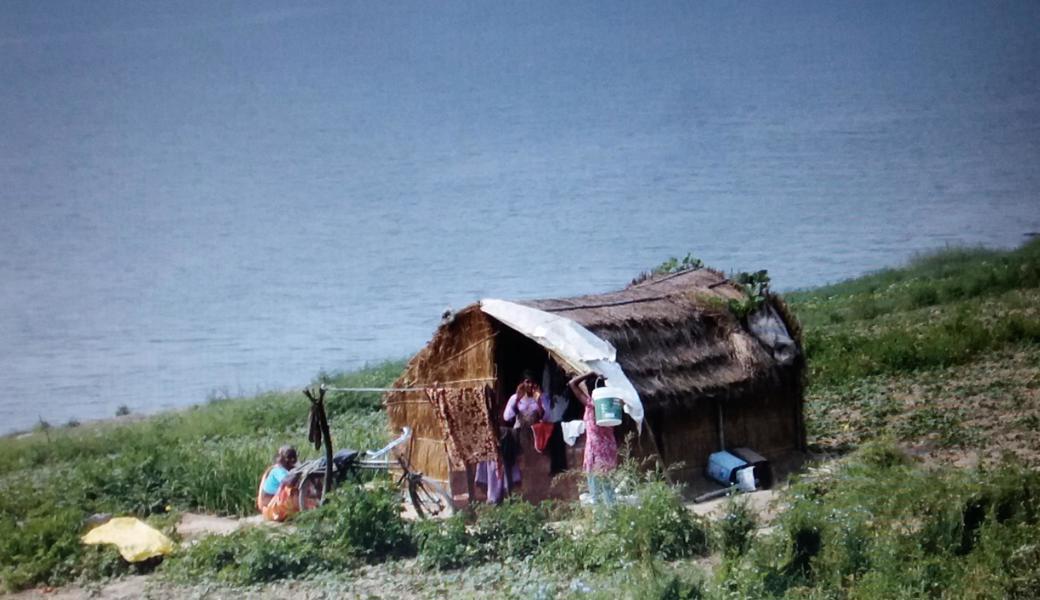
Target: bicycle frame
427	497
380	459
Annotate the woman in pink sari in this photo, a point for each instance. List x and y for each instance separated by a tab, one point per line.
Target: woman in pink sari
600	445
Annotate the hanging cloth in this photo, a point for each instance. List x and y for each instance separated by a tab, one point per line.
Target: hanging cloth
572	430
542	432
314	428
465	414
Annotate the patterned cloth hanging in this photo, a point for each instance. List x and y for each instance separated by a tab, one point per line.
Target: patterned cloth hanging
466	416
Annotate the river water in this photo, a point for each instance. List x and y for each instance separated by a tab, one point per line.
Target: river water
207	200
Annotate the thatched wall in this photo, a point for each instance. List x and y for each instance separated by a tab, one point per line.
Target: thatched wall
459	355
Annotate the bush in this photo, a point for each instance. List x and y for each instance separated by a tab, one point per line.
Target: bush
446	544
923	295
880	527
656	526
513	530
359	523
104	562
355	525
248	556
735	530
43	546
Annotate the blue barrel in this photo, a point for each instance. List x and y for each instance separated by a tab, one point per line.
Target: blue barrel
723	467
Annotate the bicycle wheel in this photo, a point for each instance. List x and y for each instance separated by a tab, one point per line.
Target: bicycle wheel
310	492
429	498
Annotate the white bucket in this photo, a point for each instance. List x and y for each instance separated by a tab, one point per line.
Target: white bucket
746	479
607	402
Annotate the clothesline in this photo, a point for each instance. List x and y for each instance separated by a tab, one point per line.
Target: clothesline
373	389
407	389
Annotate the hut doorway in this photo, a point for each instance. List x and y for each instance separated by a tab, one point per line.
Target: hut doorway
540	470
514	354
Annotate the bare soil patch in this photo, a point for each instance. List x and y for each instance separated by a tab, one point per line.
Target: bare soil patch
964	416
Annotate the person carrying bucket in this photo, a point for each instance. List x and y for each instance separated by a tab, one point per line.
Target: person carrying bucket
600	445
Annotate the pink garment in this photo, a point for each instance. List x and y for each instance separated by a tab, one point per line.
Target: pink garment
600	446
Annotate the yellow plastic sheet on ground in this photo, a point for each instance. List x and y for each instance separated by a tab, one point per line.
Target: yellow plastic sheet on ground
135	539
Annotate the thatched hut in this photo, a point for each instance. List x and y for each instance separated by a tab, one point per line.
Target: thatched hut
707	379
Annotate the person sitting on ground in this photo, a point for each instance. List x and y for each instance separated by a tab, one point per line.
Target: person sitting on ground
600	445
276	499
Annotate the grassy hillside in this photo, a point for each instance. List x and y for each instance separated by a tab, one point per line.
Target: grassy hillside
942	356
206	458
928	374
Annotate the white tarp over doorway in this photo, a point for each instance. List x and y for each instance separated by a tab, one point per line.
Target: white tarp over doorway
569	343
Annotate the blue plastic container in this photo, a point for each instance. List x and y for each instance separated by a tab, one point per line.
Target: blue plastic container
723	467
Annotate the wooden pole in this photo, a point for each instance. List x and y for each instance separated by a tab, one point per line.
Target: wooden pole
721	427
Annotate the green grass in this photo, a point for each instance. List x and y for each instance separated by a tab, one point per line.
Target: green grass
903	342
942	277
878	526
207	458
944	352
943	309
268	415
896	352
355	526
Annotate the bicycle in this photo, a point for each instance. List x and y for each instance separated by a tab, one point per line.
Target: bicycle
428	497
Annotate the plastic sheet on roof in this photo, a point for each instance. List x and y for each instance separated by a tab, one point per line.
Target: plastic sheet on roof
570	343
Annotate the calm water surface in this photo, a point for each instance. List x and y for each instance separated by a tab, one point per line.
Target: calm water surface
220	200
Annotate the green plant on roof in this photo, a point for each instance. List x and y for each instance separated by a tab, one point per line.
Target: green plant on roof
674	265
756	290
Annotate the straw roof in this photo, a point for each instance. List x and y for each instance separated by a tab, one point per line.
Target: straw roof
676	339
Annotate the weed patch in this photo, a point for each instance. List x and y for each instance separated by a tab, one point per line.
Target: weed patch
248	556
359	523
445	545
880	526
733	533
513	531
654	526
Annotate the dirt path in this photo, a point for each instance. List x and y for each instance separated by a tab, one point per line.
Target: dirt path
761	502
131	587
194	526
